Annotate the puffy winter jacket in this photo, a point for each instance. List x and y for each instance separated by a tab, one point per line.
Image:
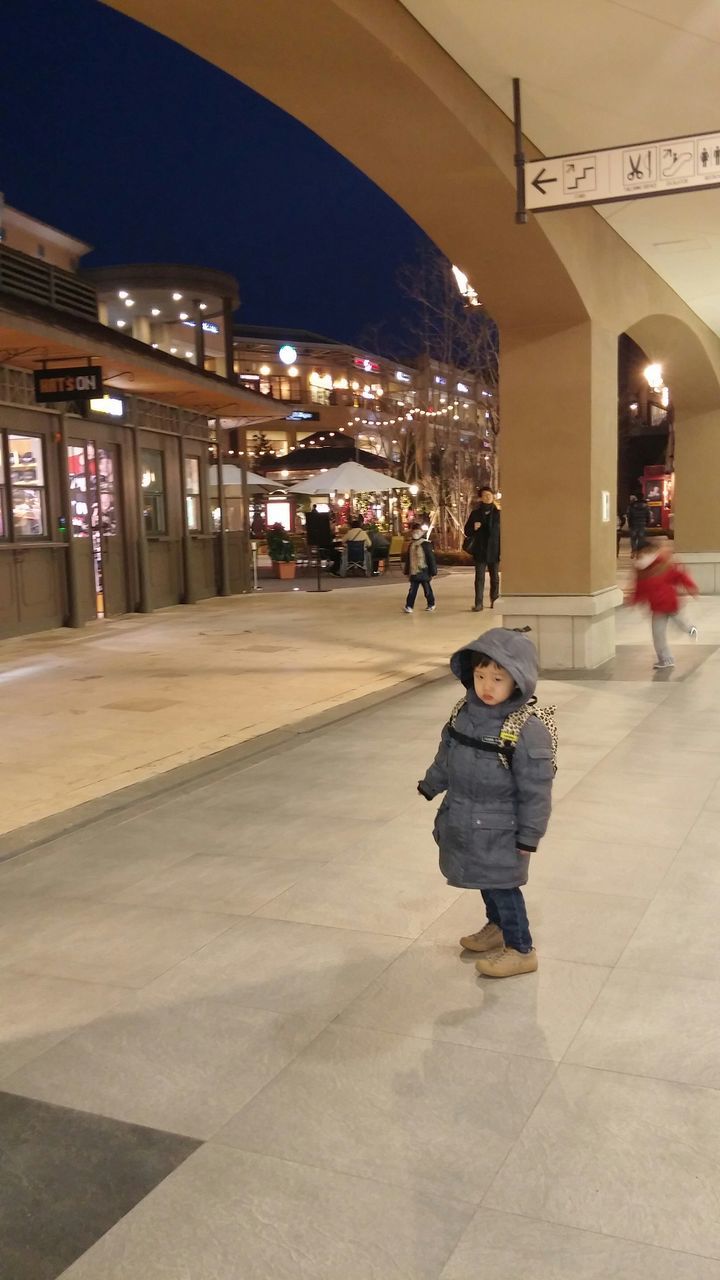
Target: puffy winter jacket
489	812
657	585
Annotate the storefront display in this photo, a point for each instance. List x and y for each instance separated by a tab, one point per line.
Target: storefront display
27	485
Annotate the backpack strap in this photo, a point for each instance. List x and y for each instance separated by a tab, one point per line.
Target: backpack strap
505	744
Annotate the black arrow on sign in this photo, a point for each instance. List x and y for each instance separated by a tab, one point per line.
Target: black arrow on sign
539	182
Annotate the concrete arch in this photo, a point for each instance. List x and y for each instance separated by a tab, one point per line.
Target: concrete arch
690	364
367	78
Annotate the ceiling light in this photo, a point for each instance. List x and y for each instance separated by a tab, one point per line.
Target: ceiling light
183	315
129	302
293	372
155	311
265	370
177	297
188	355
203	306
173	351
120	324
122	293
154	345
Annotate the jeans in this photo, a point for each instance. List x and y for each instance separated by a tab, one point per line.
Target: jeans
418	580
636	537
506	909
659	632
480	568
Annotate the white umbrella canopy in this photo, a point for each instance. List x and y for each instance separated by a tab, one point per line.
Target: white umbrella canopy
349	477
232	478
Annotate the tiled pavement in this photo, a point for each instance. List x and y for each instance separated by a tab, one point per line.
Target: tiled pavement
238	1039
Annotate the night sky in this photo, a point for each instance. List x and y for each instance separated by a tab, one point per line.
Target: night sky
124	139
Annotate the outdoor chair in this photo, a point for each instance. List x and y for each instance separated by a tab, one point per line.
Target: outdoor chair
356	559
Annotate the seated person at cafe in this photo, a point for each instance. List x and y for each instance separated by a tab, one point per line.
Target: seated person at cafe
379	549
356	533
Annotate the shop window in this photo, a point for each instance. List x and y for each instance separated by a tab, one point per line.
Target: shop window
192	494
153	487
27	486
281	388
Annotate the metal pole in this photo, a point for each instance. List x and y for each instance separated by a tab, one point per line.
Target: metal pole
224	549
143	565
245	584
230	373
73	614
188	593
519	157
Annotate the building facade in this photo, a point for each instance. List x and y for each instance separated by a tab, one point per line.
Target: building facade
105	505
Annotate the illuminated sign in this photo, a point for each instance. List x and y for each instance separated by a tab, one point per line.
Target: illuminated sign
113	406
208	326
442	382
368	366
302	415
79	382
463	389
287	354
402	377
250	377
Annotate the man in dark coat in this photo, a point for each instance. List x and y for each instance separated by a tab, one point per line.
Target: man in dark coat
482	540
638	515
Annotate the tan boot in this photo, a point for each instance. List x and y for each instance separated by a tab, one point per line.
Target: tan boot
507	963
489	938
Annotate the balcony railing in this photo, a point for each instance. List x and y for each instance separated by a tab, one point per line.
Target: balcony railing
41	282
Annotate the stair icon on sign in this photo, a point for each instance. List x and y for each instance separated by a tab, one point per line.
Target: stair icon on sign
580	174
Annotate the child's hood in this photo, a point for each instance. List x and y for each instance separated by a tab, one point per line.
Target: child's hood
510	649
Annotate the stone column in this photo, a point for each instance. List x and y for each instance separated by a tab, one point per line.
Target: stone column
697	512
558	405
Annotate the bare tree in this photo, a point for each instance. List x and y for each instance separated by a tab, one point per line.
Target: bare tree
450	457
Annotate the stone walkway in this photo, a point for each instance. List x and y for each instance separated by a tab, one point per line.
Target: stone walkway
87	713
239	1038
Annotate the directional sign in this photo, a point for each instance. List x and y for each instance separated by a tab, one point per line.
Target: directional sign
623	173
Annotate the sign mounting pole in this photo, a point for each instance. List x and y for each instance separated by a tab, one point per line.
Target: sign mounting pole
520	210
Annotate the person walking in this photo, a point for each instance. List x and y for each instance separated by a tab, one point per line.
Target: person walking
638	515
482	541
420	566
493	817
658	581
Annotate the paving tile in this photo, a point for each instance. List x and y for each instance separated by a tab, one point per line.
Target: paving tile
67	1178
677	935
649	1025
222	882
505	1244
395	1108
38	1012
265	1218
620	1155
175	1056
369	897
125	946
609	867
429	992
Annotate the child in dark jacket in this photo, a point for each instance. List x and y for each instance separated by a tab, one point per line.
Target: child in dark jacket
420	566
658	579
496	808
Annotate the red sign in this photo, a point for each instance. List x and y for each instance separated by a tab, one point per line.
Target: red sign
368	366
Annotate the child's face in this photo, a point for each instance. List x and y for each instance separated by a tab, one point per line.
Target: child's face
493	684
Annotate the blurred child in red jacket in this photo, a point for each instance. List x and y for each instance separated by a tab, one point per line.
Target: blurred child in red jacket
658	581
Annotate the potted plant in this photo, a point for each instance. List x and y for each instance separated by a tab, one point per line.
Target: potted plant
281	552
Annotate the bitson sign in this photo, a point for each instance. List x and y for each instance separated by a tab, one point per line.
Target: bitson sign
82	382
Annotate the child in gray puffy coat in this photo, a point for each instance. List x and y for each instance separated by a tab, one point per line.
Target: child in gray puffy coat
498	796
